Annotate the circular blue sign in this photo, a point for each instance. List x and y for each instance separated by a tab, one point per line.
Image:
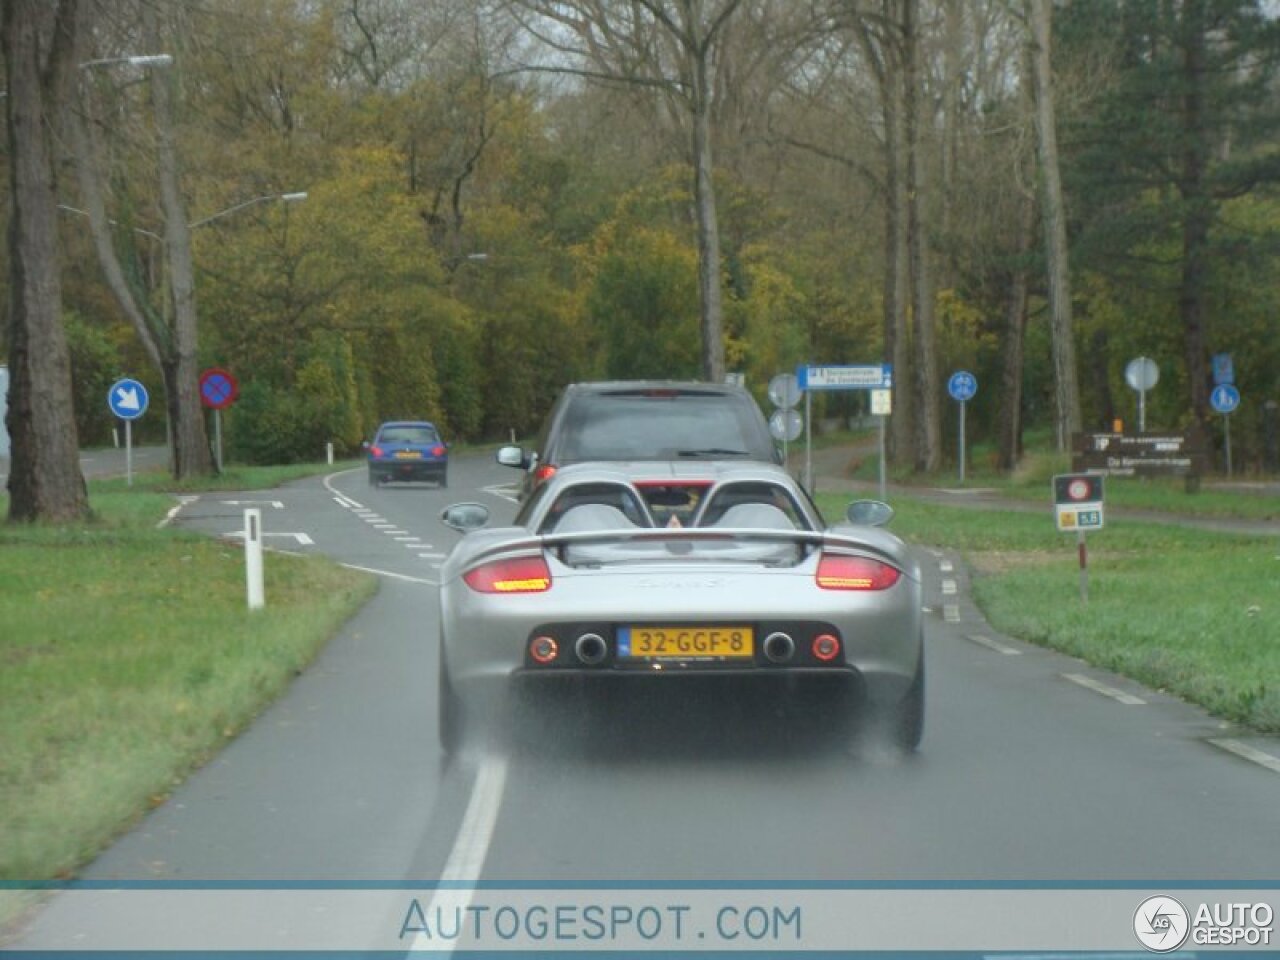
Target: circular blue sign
127	399
962	385
1224	398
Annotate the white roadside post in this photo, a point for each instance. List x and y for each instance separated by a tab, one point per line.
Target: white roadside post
253	557
328	453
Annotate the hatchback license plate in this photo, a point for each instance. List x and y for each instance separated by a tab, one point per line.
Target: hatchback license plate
408	455
685	643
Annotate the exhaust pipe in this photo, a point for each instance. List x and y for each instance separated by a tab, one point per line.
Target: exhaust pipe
590	649
779	647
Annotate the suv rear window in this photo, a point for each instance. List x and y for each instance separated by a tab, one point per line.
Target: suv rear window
661	425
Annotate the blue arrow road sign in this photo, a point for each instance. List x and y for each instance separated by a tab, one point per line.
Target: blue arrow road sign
1224	398
962	385
127	399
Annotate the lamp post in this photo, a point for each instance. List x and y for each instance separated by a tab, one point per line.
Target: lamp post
137	60
282	197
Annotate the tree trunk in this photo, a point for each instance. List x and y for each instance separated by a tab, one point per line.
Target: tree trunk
1196	221
190	441
928	448
1010	440
45	481
1065	375
897	333
708	226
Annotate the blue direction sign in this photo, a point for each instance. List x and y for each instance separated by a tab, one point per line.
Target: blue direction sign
962	385
128	399
1225	398
1223	370
849	376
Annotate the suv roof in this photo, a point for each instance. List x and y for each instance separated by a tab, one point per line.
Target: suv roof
630	420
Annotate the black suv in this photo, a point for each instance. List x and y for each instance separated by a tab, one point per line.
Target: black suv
645	420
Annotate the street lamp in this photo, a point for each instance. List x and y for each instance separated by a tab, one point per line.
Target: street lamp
142	60
283	197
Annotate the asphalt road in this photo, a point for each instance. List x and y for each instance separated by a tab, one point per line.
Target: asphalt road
1034	768
108	461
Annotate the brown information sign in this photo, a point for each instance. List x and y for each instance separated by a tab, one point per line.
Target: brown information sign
1137	454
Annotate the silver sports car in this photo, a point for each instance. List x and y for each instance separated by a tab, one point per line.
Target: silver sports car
635	577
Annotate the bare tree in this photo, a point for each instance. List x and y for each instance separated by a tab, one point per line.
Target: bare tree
669	46
170	339
45	481
928	446
1053	215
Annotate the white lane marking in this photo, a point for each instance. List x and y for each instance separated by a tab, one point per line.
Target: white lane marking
381	524
173	512
946	566
408	539
1260	757
387	573
249	503
951	612
433	556
504	491
396	532
990	644
302	538
948	587
1098	687
471	846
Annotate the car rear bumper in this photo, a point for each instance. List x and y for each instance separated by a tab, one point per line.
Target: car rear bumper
408	470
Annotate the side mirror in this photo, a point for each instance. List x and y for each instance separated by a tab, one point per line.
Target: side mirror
869	513
465	517
512	457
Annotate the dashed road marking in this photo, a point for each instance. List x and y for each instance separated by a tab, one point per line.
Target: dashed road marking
990	644
1260	757
951	612
946	566
948	587
1107	691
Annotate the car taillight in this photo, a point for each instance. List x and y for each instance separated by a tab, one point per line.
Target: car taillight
516	575
376	451
437	451
544	473
839	572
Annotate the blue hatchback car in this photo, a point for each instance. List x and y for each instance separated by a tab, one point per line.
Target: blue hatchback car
408	450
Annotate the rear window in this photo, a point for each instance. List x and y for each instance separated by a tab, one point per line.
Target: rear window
664	426
413	433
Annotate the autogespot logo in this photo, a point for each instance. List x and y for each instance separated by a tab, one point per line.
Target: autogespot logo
1161	924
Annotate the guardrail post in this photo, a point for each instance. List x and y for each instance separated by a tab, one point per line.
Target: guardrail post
253	558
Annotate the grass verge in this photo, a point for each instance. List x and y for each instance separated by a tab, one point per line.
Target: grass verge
1183	610
128	658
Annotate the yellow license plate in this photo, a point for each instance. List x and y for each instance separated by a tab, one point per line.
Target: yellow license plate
408	455
685	643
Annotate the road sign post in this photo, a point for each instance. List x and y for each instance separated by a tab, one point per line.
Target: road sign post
1078	506
848	376
962	386
1224	399
881	407
1142	374
218	389
128	400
